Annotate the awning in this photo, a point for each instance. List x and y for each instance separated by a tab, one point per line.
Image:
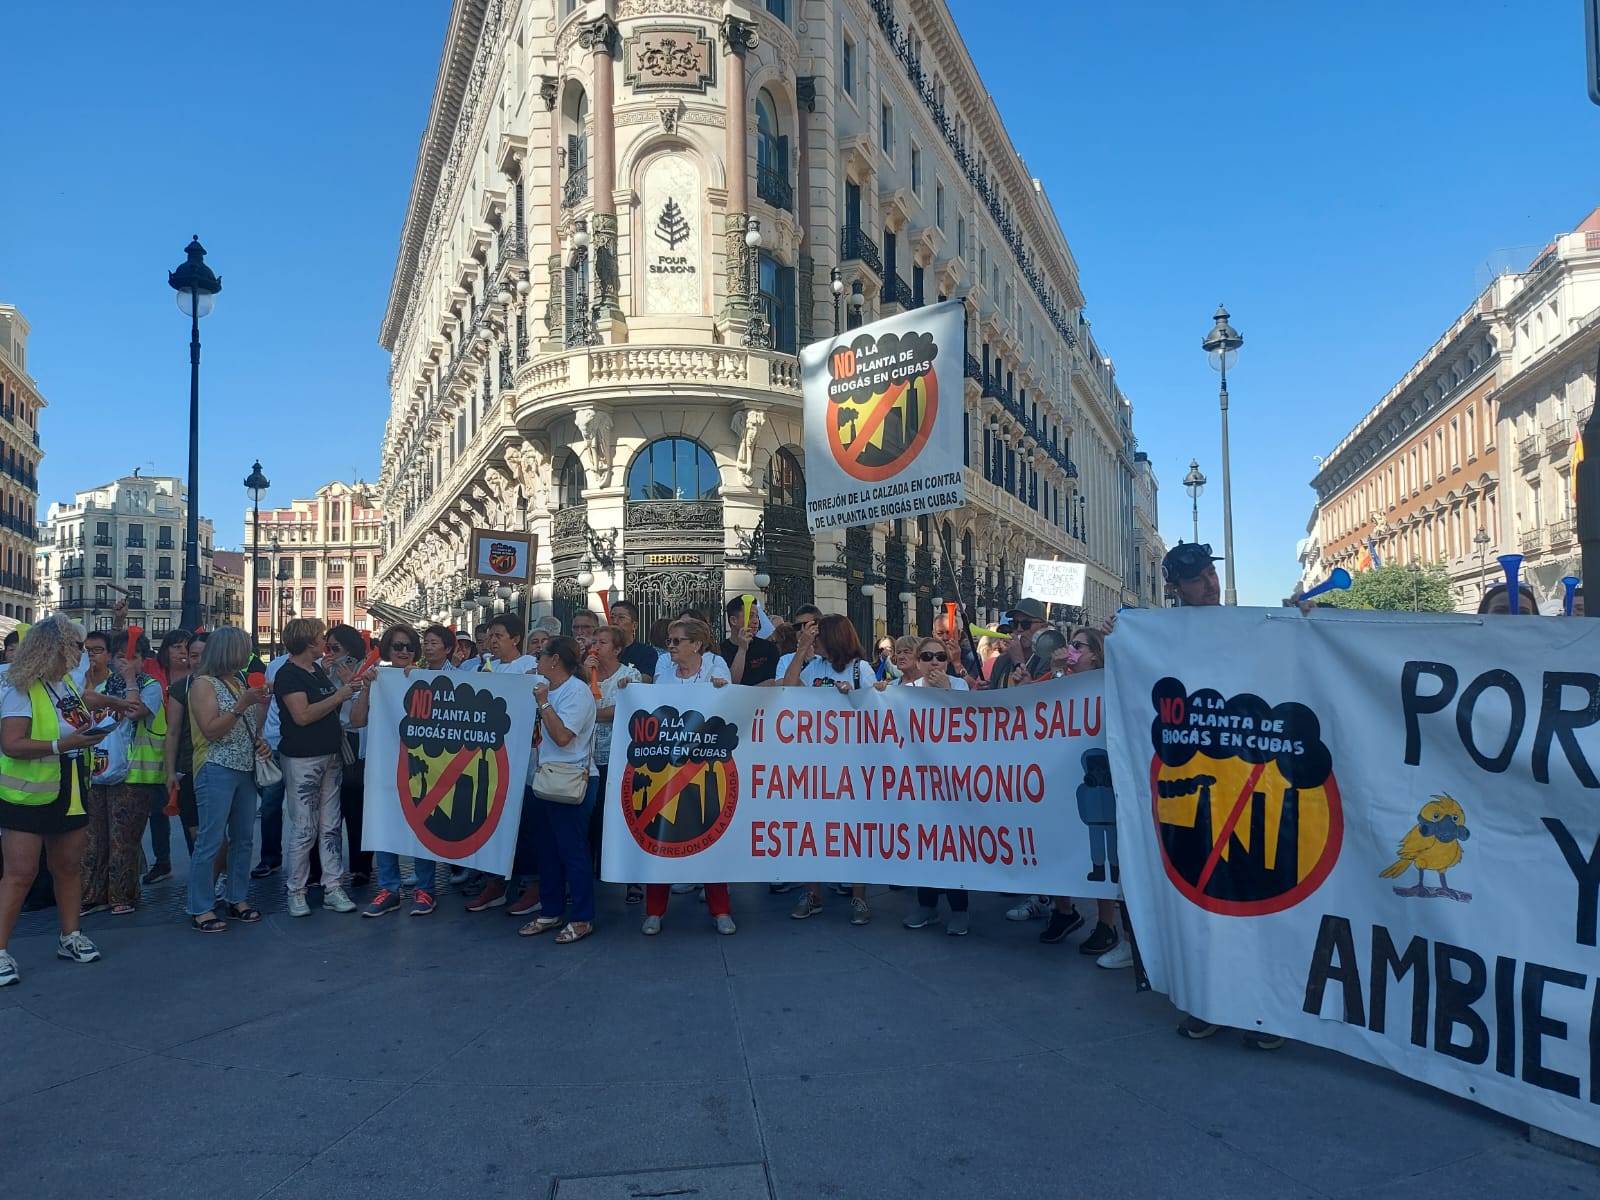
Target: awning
393	614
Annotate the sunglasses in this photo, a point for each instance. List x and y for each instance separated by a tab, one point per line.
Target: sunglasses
805	624
1023	623
1082	646
679	641
934	657
402	648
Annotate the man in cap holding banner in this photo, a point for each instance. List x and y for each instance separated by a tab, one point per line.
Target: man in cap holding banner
1190	571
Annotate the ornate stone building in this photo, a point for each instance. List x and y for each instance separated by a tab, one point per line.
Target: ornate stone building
628	215
318	558
20	406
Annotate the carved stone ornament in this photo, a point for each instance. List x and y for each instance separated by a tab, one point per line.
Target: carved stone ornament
738	37
676	58
599	35
594	426
530	467
747	424
669	111
549	88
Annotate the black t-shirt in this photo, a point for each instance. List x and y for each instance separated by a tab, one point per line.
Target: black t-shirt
760	661
318	738
180	692
641	658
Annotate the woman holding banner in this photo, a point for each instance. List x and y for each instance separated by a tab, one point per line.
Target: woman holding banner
689	642
606	667
563	794
931	662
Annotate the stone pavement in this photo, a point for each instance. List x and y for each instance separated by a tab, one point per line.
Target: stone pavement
340	1057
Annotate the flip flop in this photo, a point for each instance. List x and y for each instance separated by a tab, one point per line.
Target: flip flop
208	923
121	910
574	931
540	925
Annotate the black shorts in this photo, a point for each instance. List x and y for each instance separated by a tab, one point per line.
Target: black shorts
47	820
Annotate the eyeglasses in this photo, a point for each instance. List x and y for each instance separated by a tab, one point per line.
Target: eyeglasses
1082	646
680	641
934	657
402	648
92	649
1023	622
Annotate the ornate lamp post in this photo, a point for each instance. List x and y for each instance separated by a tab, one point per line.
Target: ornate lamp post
1481	541
858	301
1222	349
256	485
1195	483
756	336
582	331
197	288
836	286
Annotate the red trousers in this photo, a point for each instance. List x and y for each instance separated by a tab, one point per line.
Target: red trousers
657	894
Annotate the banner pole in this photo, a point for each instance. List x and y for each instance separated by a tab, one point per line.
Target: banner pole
965	636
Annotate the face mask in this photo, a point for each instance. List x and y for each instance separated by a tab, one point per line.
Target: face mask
1073	654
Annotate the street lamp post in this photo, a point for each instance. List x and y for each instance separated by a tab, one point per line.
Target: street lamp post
1083	512
836	286
256	485
197	288
582	332
1222	348
858	301
285	592
756	335
1195	483
1481	541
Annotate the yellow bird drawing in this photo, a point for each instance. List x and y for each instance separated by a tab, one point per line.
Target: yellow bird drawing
1434	844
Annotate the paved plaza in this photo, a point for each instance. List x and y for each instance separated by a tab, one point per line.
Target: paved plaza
342	1057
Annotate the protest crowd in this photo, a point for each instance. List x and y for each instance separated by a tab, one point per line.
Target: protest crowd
103	738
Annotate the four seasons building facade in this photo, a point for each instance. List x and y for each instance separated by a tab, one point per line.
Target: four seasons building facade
627	217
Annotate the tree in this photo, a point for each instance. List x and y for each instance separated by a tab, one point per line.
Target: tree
1394	588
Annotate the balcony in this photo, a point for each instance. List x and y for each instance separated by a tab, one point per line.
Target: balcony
1527	448
1561	532
163	605
897	291
103	539
971	367
133	572
772	185
856	245
102	572
134	543
1557	433
576	188
166	543
165	573
70	573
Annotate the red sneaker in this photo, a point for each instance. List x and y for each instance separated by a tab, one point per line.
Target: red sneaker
492	896
527	903
422	903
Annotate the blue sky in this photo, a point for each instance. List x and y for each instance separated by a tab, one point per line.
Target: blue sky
1339	175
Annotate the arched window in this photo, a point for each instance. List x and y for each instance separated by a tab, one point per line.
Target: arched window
673	469
772	155
574	123
571	483
786	485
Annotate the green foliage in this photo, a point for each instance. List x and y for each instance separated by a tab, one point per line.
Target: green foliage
1395	588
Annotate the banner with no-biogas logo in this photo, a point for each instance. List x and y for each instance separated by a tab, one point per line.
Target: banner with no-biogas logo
884	419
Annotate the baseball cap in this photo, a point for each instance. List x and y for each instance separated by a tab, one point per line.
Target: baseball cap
1187	560
1028	609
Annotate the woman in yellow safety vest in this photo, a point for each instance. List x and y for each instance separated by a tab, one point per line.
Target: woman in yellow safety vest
45	726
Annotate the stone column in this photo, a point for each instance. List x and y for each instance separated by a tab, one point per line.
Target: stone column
600	37
738	37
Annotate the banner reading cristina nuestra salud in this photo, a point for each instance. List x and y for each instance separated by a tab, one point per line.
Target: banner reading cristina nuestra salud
884	421
1374	832
1003	791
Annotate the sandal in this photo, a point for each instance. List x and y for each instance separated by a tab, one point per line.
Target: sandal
121	910
574	931
540	925
244	913
208	923
635	893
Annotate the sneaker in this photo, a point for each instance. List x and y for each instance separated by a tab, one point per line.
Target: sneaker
809	906
336	899
1117	958
651	926
8	969
526	904
492	896
683	889
860	914
384	902
88	910
1103	938
1261	1041
922	918
422	903
778	889
76	947
956	926
1061	926
725	925
298	906
1030	909
359	879
157	873
1195	1029
262	869
459	876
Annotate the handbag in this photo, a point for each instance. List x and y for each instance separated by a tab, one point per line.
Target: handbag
268	772
561	782
108	759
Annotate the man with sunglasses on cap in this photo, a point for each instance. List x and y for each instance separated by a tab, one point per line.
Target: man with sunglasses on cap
1021	623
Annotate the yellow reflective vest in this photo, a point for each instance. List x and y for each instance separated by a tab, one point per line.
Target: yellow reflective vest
37	781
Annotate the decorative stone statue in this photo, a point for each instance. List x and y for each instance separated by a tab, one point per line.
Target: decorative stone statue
530	467
747	425
502	498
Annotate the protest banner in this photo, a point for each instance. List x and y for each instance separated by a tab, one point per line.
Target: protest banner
447	756
884	419
499	554
1007	791
1372	832
1053	582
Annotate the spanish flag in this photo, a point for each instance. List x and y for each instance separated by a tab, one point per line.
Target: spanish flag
1577	461
1364	561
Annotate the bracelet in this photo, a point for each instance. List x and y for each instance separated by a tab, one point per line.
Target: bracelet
546	705
55	745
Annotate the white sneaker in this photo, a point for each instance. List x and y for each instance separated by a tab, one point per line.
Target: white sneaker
76	947
1116	958
298	906
651	926
1029	909
335	899
8	969
725	925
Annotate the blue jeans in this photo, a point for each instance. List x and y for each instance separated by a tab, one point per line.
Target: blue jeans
160	825
226	801
272	823
564	859
389	872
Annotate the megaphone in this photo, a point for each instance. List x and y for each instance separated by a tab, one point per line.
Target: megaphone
1570	582
1511	564
1338	581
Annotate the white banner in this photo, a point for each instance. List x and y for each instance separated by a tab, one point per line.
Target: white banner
1053	582
1378	833
447	756
884	422
1001	791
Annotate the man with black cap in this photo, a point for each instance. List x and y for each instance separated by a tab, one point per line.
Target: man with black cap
1021	623
1190	571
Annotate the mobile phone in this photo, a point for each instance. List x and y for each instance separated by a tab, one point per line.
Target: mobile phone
96	732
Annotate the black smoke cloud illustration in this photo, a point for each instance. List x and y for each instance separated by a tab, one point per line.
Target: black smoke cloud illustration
682	737
1289	734
458	716
873	356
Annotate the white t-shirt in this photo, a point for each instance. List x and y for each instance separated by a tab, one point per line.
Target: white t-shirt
272	732
819	672
711	667
526	665
575	706
783	665
608	699
18	704
957	684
